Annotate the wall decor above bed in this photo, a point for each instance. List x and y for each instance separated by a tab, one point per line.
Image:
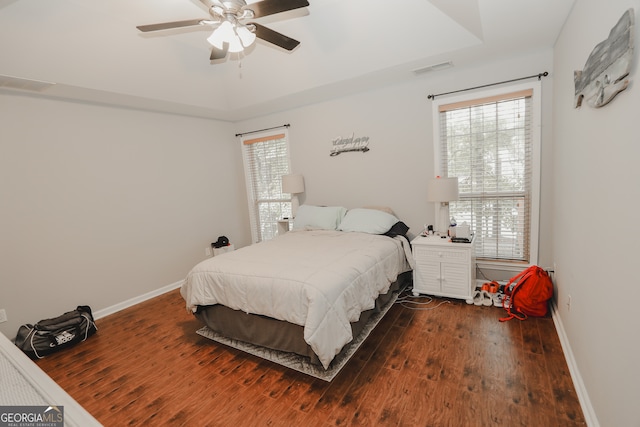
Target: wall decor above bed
343	145
605	73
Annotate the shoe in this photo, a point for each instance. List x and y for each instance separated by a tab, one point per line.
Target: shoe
469	300
497	299
487	300
485	287
494	287
476	299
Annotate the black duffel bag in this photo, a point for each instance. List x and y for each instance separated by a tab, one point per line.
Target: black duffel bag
50	335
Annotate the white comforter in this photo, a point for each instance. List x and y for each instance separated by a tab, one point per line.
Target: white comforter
321	280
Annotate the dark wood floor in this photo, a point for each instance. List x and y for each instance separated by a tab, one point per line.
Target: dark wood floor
455	365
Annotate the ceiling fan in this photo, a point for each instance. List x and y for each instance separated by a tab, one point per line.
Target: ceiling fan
231	33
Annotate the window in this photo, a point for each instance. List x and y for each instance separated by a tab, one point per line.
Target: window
491	143
266	159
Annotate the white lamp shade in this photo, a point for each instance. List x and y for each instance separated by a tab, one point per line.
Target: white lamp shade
442	189
293	183
222	34
235	45
246	36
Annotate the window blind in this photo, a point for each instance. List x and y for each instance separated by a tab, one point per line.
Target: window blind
266	160
487	144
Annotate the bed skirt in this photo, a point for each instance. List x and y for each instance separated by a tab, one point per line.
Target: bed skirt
278	334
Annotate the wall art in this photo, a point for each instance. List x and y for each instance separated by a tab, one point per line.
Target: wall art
605	73
343	145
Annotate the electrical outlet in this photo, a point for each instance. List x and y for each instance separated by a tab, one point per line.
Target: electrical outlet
3	315
569	303
207	251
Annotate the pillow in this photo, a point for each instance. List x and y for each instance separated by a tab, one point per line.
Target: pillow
318	217
370	221
381	208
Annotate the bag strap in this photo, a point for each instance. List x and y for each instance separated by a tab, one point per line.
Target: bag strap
517	279
90	323
29	338
513	315
513	311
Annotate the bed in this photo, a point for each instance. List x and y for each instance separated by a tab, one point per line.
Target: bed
308	291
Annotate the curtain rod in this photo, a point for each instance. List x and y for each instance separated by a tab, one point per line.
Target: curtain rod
262	130
539	76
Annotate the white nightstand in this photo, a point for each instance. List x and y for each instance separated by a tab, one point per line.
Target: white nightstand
222	250
284	225
443	268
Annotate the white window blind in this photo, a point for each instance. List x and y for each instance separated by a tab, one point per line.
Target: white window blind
488	143
266	159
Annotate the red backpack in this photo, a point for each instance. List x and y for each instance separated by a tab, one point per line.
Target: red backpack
528	294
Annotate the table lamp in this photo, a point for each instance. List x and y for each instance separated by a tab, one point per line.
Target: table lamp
442	190
293	184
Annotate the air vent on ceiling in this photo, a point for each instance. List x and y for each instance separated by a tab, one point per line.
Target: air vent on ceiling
24	84
436	67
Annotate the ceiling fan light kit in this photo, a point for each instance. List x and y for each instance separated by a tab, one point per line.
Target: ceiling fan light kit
232	35
237	37
247	37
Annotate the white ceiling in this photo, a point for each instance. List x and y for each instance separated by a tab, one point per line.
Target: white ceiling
92	50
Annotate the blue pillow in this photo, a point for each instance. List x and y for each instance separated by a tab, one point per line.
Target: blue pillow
318	217
370	221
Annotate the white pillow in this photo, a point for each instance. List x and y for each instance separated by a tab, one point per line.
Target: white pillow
318	217
370	221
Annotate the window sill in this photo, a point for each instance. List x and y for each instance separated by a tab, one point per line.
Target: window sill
502	265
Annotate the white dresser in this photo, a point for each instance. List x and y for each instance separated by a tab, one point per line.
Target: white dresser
443	268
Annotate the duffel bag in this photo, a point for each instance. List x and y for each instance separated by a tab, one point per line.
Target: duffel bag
51	335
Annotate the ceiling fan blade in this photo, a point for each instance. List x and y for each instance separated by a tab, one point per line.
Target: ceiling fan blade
219	53
270	7
267	34
169	25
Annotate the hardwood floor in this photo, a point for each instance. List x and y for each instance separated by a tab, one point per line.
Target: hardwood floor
455	365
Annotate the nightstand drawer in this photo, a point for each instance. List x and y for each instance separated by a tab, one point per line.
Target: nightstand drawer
441	254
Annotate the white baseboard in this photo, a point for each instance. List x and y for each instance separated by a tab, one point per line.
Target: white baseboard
136	300
583	396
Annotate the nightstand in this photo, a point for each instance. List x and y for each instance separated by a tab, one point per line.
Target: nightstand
284	225
223	249
443	268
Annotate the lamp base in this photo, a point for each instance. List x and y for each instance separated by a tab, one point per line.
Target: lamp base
295	204
442	218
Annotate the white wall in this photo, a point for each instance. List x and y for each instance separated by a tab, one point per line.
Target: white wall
397	119
100	205
596	238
